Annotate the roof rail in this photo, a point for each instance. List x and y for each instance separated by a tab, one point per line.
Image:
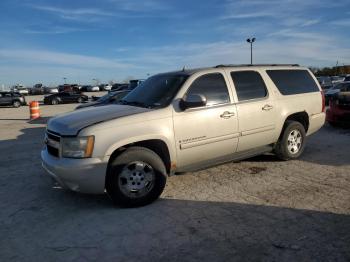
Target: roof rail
218	66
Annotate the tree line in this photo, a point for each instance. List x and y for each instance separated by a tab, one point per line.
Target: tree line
331	71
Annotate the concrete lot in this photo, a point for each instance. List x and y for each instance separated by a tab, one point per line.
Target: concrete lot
259	209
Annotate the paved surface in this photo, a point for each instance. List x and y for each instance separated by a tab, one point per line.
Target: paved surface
259	209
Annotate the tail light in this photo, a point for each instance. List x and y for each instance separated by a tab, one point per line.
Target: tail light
323	102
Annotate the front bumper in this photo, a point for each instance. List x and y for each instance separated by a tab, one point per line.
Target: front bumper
81	175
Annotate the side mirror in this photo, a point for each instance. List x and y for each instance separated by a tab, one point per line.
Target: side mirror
193	101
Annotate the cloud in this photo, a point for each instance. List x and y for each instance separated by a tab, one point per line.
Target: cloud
53	30
79	14
58	58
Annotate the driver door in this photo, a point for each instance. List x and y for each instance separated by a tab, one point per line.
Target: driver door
207	134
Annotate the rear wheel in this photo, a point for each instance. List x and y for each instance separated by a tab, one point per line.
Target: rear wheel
137	177
16	104
292	142
80	100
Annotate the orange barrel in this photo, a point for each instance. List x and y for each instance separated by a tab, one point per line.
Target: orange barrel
34	110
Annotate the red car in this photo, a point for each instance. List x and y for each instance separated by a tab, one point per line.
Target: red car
339	110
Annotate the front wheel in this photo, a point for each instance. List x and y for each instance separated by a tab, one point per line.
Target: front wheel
16	104
292	141
137	177
54	102
80	100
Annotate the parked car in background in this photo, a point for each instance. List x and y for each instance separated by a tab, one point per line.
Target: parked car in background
93	89
183	121
105	87
68	88
347	78
120	87
337	79
37	89
110	98
333	92
338	113
12	99
20	89
65	98
325	82
50	90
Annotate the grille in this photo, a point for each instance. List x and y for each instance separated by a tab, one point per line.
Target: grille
53	143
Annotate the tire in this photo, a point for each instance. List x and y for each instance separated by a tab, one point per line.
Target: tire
80	100
136	177
54	102
16	104
292	141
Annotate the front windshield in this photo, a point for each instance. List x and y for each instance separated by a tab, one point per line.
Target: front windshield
156	91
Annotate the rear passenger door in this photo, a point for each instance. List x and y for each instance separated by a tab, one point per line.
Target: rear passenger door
256	110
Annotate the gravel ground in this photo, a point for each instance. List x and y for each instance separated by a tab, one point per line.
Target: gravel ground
260	209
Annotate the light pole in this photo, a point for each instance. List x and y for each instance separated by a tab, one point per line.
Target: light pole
65	78
251	41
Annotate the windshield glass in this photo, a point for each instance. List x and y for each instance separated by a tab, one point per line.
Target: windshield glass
105	97
156	91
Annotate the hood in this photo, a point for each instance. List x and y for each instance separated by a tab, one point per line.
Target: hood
71	123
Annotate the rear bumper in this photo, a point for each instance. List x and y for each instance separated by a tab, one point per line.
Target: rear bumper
81	175
316	122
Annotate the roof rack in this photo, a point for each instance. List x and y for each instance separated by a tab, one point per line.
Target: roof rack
218	66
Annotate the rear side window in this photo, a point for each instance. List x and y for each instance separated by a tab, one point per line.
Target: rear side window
291	82
213	87
249	85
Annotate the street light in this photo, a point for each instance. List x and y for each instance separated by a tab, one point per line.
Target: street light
65	78
251	41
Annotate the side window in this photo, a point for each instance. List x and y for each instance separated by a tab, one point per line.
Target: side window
249	85
213	87
291	82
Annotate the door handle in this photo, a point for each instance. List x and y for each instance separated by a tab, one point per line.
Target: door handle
267	107
227	114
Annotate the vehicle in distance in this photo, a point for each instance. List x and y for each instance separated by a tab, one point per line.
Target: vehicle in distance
37	89
12	99
50	90
64	98
105	87
111	97
183	121
338	113
325	82
120	87
20	89
333	92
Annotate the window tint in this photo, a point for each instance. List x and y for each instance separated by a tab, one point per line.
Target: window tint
249	85
213	87
290	82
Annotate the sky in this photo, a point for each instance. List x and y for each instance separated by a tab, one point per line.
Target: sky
45	41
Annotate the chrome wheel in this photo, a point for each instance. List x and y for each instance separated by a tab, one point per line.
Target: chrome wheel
294	141
136	179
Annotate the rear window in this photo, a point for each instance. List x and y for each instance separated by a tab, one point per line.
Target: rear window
291	82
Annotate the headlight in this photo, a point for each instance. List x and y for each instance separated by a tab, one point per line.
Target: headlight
77	147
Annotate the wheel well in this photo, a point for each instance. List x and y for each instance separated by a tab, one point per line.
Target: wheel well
301	117
156	145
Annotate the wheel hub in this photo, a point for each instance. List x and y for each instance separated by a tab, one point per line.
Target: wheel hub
294	141
136	179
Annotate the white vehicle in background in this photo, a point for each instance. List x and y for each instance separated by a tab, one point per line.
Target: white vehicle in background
93	89
21	89
337	79
107	87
